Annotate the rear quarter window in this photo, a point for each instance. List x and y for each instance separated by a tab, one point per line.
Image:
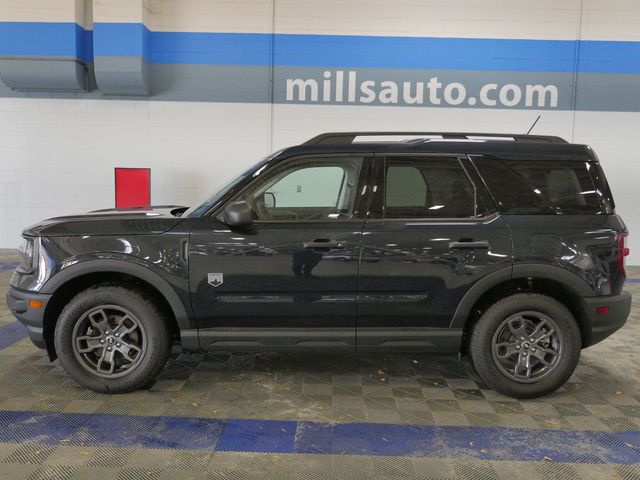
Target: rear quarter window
548	187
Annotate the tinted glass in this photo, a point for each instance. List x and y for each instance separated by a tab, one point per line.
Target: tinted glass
427	187
542	186
306	190
406	187
308	187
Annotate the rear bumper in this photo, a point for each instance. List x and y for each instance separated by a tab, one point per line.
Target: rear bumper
32	318
603	325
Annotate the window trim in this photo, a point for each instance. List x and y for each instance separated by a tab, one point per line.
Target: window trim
428	220
360	201
472	171
418	222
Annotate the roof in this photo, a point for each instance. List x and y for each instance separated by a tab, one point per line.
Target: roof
351	137
500	145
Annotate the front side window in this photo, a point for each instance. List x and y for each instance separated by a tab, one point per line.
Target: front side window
427	187
306	190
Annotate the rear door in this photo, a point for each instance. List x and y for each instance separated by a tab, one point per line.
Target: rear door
432	232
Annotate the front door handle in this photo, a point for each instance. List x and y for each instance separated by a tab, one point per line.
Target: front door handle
469	244
324	244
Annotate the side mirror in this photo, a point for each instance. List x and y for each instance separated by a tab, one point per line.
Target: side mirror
238	214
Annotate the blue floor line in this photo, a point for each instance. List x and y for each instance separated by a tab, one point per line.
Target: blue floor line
11	333
292	437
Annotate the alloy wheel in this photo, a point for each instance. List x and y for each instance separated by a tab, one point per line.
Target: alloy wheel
109	341
527	346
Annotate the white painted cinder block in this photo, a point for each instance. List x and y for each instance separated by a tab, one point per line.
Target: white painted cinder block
250	16
58	11
544	19
63	163
120	11
39	10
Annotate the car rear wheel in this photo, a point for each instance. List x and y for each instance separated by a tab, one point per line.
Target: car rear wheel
112	339
526	345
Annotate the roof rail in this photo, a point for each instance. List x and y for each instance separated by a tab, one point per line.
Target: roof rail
349	137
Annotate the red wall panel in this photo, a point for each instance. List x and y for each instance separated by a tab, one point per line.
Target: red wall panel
133	187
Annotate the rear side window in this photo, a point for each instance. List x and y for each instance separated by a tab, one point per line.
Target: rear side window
427	187
406	187
543	186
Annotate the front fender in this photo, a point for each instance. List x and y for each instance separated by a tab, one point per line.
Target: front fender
131	267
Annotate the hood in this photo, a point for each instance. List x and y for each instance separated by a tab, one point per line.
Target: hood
113	221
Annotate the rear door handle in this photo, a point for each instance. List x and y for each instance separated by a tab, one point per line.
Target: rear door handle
324	244
470	244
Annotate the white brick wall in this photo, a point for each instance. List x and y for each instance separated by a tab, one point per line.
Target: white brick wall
120	11
248	16
39	10
57	156
542	19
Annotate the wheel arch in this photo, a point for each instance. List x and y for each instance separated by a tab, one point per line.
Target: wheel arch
558	283
68	282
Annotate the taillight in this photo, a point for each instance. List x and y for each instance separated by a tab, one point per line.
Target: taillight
623	250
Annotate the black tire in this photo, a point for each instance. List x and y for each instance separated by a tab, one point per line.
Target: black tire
151	337
485	352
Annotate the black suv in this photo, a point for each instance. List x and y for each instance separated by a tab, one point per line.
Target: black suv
503	247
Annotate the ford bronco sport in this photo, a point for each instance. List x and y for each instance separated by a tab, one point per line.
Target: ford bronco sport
503	247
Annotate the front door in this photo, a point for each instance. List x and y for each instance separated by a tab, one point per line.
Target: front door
432	234
290	279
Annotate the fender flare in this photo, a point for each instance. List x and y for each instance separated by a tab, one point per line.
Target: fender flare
112	265
570	280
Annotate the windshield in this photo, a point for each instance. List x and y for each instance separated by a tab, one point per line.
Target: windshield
200	208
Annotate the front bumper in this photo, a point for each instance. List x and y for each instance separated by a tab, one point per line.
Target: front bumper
603	325
32	318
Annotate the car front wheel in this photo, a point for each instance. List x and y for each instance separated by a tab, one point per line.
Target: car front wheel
526	345
112	339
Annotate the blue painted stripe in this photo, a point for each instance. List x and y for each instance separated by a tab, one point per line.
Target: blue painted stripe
11	333
286	436
394	52
214	48
266	436
45	39
424	53
109	430
121	40
633	280
84	44
487	443
134	39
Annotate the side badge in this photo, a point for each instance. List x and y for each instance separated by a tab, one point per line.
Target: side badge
215	279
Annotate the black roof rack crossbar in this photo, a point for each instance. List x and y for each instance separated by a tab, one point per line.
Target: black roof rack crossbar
339	138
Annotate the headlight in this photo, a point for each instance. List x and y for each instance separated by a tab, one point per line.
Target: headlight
28	256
